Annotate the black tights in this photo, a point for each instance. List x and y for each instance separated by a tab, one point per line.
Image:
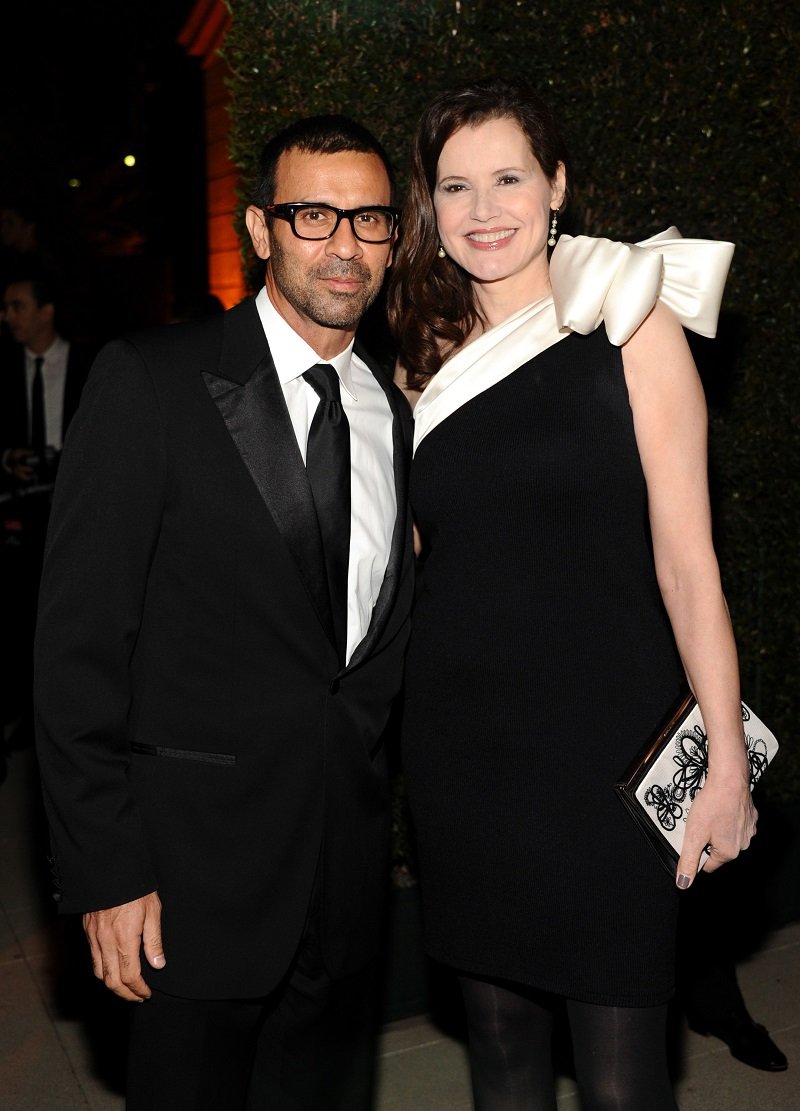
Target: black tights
620	1052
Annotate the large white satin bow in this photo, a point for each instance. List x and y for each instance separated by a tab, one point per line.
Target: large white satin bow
592	280
618	283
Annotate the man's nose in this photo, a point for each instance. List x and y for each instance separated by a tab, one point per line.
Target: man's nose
343	243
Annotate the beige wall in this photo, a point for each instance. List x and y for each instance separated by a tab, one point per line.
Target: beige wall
201	37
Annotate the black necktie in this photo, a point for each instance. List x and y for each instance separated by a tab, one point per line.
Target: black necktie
38	433
328	468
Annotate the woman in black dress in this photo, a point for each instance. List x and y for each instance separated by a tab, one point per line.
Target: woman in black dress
569	589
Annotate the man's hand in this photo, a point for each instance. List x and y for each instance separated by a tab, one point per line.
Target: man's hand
115	938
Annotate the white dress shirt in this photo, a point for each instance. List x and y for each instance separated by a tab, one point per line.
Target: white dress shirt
54	377
373	504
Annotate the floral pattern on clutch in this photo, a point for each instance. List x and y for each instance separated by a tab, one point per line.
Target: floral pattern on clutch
660	787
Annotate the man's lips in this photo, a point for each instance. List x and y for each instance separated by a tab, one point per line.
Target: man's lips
344	281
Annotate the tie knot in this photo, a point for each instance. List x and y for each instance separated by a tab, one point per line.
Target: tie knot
38	363
324	380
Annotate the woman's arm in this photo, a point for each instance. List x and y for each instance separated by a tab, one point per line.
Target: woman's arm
670	421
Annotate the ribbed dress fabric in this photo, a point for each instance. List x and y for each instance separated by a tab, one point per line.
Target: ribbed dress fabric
541	660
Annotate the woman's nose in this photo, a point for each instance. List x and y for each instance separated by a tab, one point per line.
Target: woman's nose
484	204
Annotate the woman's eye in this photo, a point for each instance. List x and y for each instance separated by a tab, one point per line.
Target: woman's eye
454	187
508	179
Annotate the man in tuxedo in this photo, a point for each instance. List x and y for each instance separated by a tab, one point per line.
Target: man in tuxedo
29	309
217	657
41	378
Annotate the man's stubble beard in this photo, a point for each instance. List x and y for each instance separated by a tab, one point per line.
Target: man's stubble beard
331	310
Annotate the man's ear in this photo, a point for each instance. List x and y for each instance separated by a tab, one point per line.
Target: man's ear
259	232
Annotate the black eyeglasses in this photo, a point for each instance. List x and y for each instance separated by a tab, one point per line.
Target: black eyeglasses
320	221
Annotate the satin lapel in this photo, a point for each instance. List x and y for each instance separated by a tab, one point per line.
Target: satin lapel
402	433
251	402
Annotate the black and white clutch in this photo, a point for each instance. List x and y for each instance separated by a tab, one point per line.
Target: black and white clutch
660	787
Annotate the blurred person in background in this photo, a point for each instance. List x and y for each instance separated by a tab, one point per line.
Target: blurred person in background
42	375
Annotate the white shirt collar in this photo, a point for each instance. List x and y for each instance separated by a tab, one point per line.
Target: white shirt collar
54	350
290	352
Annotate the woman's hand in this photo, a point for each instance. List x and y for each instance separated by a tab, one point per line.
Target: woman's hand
722	817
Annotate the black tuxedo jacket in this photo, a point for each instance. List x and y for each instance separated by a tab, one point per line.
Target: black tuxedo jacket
196	733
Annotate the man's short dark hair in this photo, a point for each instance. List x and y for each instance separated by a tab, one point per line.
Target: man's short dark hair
314	135
44	287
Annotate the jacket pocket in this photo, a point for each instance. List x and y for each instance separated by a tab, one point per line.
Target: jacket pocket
224	759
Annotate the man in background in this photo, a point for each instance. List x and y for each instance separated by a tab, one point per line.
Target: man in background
41	378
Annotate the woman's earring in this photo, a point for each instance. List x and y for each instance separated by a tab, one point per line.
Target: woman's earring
441	252
551	242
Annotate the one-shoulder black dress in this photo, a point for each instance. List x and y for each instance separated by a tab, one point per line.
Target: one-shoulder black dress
541	660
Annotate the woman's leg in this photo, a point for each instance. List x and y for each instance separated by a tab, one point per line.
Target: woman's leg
621	1057
510	1030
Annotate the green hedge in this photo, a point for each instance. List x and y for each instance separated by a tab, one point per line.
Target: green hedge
676	113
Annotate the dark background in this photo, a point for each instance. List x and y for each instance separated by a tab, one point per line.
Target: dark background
81	86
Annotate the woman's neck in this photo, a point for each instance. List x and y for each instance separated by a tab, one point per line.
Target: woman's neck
497	301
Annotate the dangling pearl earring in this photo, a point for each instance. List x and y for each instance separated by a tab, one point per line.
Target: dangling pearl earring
441	252
551	242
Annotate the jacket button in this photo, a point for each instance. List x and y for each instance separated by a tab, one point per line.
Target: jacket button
58	897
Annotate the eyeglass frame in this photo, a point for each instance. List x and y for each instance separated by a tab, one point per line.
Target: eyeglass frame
288	212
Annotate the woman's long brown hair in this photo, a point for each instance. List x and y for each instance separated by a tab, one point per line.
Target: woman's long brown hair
431	302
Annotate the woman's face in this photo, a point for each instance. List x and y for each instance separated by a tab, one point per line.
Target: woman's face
493	204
